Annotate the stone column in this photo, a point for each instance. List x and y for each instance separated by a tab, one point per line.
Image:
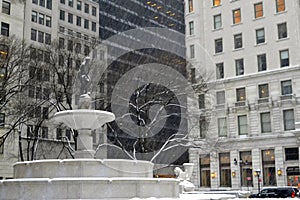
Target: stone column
84	144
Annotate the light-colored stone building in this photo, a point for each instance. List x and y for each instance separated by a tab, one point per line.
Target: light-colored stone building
40	22
251	48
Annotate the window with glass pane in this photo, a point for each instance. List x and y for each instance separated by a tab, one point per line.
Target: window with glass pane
204	171
222	127
220	97
192	51
282	30
218	45
70	18
42	3
4	29
268	164
36	1
263	91
220	70
34	16
203	126
289	120
225	172
292	153
2	119
71	3
280	5
58	133
241	94
49	4
286	87
33	34
191	28
242	125
284	58
193	75
190	5
41	37
265	122
239	66
246	168
86	8
236	16
94	26
217	21
48	21
62	15
79	5
94	11
6	7
260	36
41	18
238	41
86	24
262	62
216	2
201	101
47	38
258	10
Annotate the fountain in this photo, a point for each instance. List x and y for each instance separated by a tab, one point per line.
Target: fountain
86	177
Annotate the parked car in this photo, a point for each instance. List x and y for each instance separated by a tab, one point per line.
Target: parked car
277	192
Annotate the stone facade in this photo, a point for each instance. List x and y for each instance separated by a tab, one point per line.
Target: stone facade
265	28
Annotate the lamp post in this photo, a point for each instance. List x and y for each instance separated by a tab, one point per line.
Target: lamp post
258	173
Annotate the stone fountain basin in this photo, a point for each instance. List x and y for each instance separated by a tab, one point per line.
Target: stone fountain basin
84	118
83	168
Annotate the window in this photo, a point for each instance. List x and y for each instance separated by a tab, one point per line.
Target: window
71	3
70	45
284	58
58	133
48	21
94	11
260	36
222	127
239	66
265	122
217	21
280	5
47	38
61	43
42	3
220	70
6	7
191	28
33	34
225	172
201	101
79	5
41	37
190	5
70	18
86	8
240	94
49	4
236	16
61	29
2	119
242	125
286	87
68	134
86	24
262	62
62	15
263	91
216	2
218	45
35	1
78	48
220	97
203	126
205	171
258	10
34	16
86	50
78	21
192	51
4	29
193	75
246	168
94	26
288	120
238	41
282	30
44	132
41	18
291	153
